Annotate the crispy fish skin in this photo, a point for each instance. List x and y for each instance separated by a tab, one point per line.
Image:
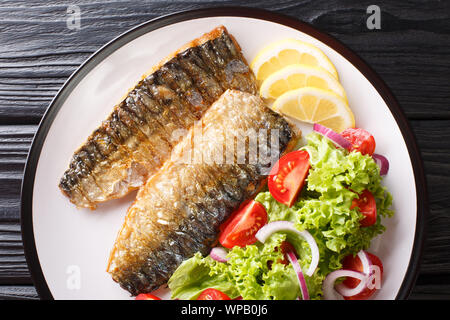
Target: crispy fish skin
138	136
179	210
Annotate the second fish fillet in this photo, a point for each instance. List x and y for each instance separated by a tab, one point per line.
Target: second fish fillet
222	161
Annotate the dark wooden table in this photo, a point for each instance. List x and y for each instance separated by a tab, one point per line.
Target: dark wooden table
411	53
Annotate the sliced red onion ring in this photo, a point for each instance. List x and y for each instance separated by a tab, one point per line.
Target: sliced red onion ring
335	137
219	254
365	261
301	279
330	293
280	226
382	162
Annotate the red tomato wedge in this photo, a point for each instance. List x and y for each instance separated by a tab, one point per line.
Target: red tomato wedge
360	139
351	262
367	206
212	294
146	296
243	224
287	177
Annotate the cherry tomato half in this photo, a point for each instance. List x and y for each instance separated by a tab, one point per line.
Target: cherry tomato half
287	177
146	296
367	206
212	294
351	262
360	139
240	229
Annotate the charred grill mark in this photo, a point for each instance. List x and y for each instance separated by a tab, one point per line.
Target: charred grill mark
92	158
230	45
202	75
147	98
164	97
136	113
160	264
107	145
227	198
237	73
82	166
180	87
136	140
102	143
154	121
241	176
69	185
229	194
150	127
171	76
127	120
139	125
285	133
79	166
216	64
114	137
119	131
85	158
91	149
199	94
154	114
221	50
208	210
222	56
102	150
217	57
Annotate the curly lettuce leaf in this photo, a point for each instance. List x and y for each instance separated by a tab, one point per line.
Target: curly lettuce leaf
252	272
192	277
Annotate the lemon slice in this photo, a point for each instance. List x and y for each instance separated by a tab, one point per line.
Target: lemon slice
297	76
315	105
289	51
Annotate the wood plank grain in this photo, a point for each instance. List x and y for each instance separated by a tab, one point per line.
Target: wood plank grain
14	269
431	287
39	52
14	144
18	292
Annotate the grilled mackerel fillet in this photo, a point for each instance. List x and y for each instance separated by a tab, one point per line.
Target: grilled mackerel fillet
180	208
139	134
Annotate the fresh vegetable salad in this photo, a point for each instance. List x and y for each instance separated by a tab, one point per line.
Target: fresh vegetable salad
305	236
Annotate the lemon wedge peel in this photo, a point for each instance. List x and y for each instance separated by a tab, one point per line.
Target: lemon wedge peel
313	105
289	51
296	76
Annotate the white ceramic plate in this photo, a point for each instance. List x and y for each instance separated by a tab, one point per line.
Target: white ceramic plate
67	248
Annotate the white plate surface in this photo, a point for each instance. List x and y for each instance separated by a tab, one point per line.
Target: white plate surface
73	244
